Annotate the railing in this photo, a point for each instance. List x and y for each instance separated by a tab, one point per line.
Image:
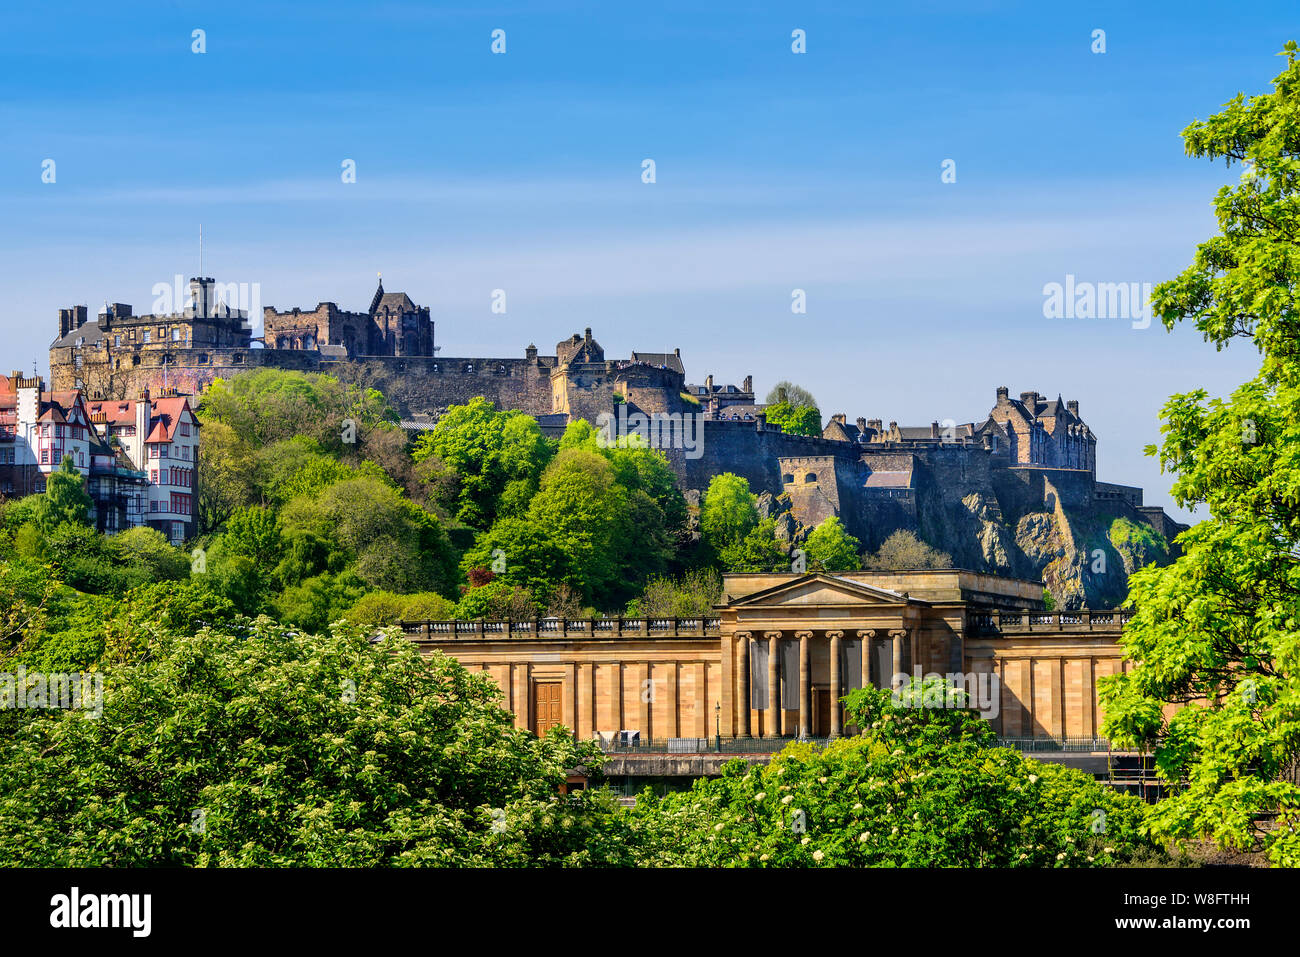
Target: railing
1054	744
552	628
709	745
1036	622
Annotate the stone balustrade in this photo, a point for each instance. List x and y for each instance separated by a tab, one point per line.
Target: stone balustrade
545	629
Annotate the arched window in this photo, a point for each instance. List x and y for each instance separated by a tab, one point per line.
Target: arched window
810	478
787	479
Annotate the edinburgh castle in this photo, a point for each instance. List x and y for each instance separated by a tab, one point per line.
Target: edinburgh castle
1014	493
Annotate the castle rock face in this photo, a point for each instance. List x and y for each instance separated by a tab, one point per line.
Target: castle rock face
1015	493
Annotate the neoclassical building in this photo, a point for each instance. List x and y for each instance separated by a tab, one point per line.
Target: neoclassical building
784	649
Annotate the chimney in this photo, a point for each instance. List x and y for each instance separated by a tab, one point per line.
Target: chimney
136	448
748	385
934	430
81	312
875	424
531	352
677	353
587	333
708	383
1073	406
862	424
65	322
840	417
1003	393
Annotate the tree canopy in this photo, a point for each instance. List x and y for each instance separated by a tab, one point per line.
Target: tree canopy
1216	631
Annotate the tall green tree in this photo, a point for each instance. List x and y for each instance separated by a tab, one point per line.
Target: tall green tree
65	500
831	548
492	456
1217	632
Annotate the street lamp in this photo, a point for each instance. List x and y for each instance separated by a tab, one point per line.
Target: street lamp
717	723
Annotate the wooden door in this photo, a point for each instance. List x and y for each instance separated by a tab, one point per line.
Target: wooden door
821	723
548	707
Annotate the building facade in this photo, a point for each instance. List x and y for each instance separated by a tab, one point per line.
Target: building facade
139	457
784	649
160	437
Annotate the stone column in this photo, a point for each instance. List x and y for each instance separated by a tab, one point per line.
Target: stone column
866	638
805	686
743	693
836	638
773	683
897	636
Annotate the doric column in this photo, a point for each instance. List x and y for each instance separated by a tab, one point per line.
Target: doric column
743	692
773	683
805	688
836	680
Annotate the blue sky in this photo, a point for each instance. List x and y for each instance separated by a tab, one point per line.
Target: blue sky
775	171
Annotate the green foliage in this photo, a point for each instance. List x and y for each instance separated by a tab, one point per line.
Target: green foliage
727	512
795	419
499	601
920	787
524	553
692	595
486	451
758	551
297	750
65	500
831	548
1216	631
1137	543
316	602
380	609
787	393
392	542
903	551
266	406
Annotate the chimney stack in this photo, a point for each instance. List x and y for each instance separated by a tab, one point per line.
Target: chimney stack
748	384
1003	393
708	383
1073	406
934	430
862	424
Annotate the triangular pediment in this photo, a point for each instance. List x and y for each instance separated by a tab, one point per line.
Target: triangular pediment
822	589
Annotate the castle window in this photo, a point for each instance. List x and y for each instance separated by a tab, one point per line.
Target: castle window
787	479
117	342
810	477
176	335
146	335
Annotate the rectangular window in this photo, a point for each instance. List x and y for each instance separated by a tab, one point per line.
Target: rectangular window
176	334
117	342
153	451
145	335
153	506
45	456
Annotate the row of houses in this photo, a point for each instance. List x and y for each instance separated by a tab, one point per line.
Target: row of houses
139	456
